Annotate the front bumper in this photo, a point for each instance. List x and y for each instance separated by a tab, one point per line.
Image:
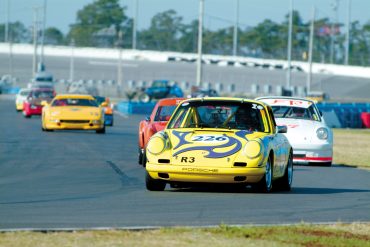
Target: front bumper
203	174
312	153
19	106
74	126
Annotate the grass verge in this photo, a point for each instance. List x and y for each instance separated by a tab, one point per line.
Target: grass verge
351	147
356	234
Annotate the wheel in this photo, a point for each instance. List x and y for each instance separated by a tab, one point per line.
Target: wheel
285	183
327	164
144	97
101	131
265	185
140	156
25	115
154	184
144	160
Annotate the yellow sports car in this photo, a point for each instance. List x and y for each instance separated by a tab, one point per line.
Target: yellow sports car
220	140
73	112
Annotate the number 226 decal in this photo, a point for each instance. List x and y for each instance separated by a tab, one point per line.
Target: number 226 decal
209	138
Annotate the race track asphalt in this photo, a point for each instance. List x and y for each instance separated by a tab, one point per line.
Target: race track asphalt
77	179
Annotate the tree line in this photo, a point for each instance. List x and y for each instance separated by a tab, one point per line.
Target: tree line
99	24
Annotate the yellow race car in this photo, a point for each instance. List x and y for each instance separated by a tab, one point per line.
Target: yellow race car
71	111
220	140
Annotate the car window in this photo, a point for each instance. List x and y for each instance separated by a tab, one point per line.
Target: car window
164	113
24	93
295	112
219	114
74	102
42	94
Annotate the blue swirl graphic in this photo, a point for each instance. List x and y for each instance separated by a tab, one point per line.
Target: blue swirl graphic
211	154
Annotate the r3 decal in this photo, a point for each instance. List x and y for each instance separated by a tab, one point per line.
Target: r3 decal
187	159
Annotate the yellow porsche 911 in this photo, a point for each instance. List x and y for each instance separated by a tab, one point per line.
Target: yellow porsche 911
220	140
69	111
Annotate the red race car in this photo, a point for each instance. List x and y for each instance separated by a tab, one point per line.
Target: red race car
156	122
32	105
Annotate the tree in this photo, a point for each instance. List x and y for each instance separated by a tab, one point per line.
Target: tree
94	17
163	33
53	36
18	33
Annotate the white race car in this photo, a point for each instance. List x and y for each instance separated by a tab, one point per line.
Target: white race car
310	137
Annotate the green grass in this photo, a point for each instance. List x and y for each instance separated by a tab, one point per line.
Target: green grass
296	235
352	147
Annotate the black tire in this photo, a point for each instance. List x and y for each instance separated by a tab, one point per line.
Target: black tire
154	184
26	116
101	131
144	98
140	156
285	183
328	164
144	159
265	185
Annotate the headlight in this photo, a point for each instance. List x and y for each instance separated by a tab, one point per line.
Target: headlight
252	149
156	145
322	133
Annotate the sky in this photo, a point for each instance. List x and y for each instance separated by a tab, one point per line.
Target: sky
218	13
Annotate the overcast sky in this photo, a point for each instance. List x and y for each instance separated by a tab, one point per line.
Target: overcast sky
218	13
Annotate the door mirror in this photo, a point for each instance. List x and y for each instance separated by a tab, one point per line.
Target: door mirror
104	104
147	119
281	129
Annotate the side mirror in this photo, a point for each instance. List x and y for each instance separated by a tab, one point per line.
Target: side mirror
320	113
281	129
104	104
147	119
44	103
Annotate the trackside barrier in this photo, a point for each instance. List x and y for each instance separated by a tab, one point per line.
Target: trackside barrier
349	114
135	107
10	90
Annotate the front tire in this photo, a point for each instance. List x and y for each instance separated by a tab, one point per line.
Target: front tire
265	185
154	184
144	98
101	131
140	156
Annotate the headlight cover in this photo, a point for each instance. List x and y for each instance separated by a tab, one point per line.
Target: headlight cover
156	145
322	133
252	149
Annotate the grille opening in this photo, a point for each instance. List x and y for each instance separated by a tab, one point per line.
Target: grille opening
163	175
299	156
165	161
75	121
240	164
240	178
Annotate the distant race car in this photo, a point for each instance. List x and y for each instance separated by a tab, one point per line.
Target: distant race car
156	122
311	138
108	111
21	97
161	89
32	104
220	140
73	111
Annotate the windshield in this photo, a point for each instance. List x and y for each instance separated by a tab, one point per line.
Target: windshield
164	113
309	113
74	102
42	94
220	114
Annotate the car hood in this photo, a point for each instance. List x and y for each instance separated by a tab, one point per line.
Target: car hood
209	147
299	130
75	113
